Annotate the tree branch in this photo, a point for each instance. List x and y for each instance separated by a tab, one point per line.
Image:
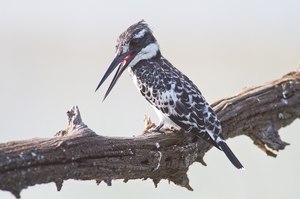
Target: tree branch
79	153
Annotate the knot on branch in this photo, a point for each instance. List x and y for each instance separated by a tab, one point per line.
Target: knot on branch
74	117
75	124
268	140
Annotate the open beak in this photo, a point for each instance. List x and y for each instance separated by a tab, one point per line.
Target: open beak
121	61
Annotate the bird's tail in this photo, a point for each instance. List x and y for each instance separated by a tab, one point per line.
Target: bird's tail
230	155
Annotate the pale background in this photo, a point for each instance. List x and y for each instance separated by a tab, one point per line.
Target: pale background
53	54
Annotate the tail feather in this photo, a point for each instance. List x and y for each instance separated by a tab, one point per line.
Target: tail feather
230	155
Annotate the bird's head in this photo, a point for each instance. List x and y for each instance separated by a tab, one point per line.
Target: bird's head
135	44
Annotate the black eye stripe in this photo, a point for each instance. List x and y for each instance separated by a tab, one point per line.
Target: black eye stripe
134	42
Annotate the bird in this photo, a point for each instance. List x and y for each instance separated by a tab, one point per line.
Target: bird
175	98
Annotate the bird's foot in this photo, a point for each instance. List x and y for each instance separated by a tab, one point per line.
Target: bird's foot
157	129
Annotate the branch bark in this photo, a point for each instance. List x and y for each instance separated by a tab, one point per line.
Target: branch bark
79	153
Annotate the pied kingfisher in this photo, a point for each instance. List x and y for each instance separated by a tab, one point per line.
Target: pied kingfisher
176	99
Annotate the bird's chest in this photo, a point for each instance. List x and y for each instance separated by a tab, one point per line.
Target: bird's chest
151	82
144	76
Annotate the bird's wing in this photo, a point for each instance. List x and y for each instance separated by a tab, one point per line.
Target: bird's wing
175	95
197	118
190	109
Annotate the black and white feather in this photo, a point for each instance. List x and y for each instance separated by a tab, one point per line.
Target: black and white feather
175	98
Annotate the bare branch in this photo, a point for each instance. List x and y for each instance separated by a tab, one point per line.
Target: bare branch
79	153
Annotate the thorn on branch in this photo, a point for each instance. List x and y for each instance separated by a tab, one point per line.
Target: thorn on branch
16	193
156	181
201	160
59	184
108	182
98	181
182	180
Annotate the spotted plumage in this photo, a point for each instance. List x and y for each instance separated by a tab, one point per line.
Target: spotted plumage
176	99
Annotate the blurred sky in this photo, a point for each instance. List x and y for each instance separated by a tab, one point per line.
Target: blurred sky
53	54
